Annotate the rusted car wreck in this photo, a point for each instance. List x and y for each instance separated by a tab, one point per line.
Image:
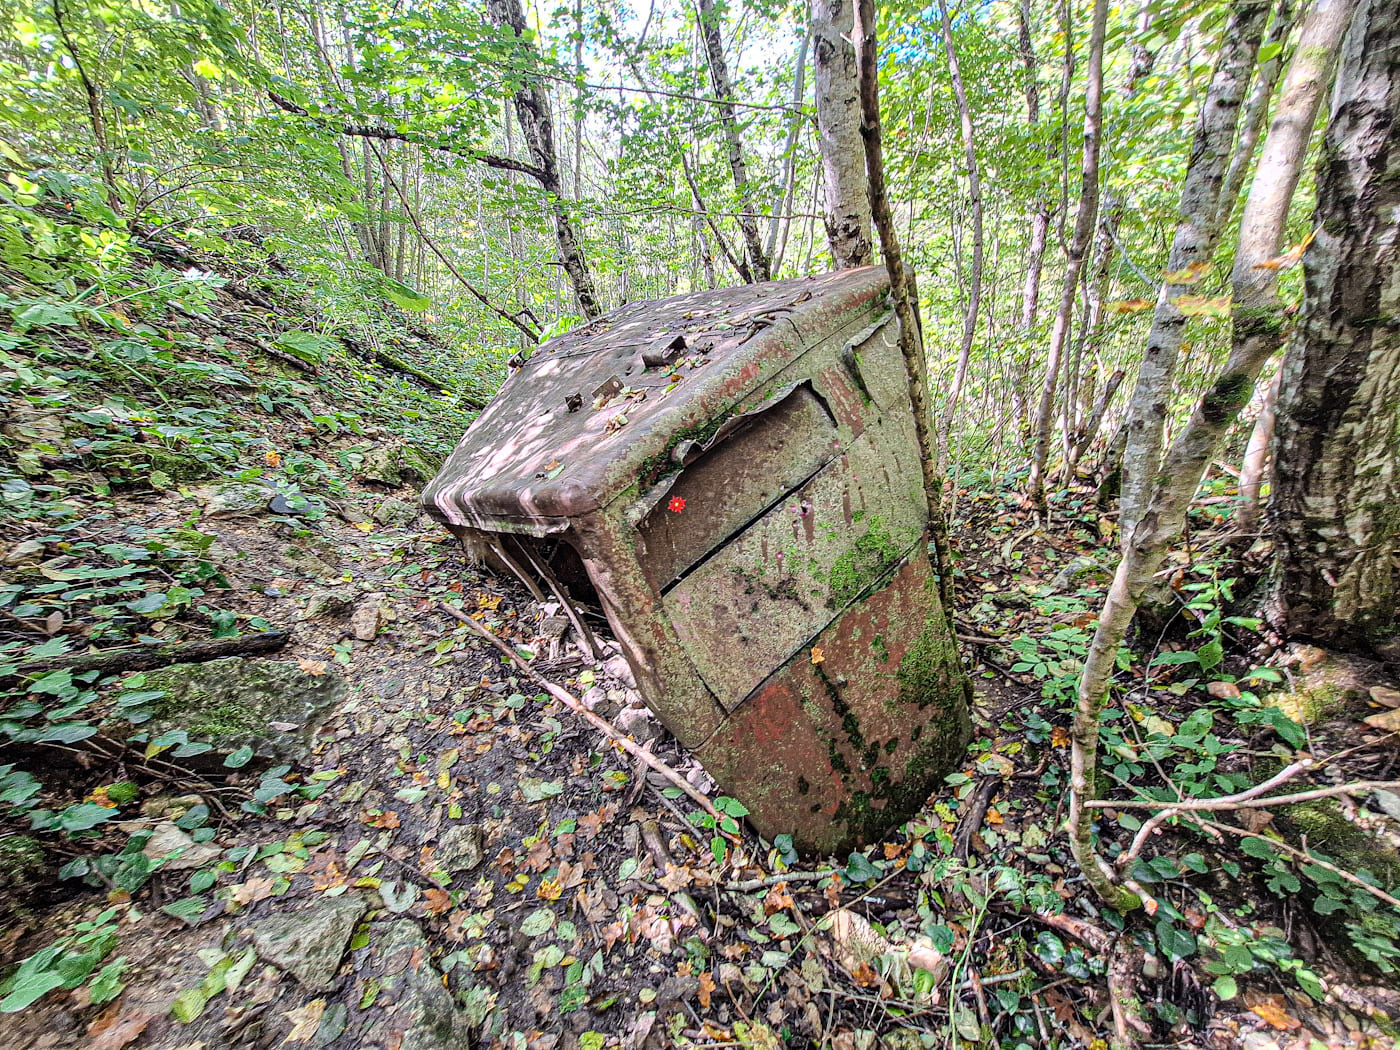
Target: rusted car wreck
733	476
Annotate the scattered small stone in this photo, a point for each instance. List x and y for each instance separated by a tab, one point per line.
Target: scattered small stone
309	943
618	667
328	604
1385	696
168	840
460	849
366	620
419	1011
394	512
1387	721
332	1024
235	498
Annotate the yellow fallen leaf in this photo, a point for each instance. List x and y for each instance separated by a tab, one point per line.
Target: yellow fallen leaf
305	1020
1128	306
817	655
1190	275
364	526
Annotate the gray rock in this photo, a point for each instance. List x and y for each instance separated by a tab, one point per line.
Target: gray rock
235	498
234	702
394	512
460	849
395	465
167	841
389	688
637	721
309	943
618	667
364	623
419	1006
329	604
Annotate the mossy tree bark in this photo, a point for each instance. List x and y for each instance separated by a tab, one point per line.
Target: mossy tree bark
1258	330
846	214
1197	228
1334	507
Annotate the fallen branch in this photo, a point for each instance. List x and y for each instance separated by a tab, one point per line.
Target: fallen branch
776	880
1231	802
573	703
148	657
1306	856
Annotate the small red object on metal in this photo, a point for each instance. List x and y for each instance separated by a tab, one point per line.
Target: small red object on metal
791	634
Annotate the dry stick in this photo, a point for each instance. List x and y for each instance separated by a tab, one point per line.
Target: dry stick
570	701
1304	855
775	880
147	657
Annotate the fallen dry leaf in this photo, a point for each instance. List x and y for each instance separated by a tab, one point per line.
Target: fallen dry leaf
1272	1009
251	892
312	667
118	1030
305	1020
707	987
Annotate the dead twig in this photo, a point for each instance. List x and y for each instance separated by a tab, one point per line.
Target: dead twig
574	704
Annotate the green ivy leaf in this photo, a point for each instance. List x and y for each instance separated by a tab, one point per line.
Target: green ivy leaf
859	868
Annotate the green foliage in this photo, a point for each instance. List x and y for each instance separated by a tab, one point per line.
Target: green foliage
68	962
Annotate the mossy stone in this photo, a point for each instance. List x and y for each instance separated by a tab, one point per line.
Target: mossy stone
236	702
1322	823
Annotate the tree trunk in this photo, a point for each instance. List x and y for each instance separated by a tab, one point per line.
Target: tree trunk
729	120
1079	246
1258	324
1040	212
1336	482
1197	229
532	112
902	293
782	218
974	190
847	211
1254	467
1256	109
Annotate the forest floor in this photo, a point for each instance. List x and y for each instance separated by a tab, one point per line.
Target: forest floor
449	857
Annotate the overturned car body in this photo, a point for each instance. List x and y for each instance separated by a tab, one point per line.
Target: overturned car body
735	477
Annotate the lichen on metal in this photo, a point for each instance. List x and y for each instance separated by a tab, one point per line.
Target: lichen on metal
734	478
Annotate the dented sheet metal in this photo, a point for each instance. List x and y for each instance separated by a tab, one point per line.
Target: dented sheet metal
738	475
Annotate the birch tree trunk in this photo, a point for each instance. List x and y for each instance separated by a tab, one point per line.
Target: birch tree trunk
1256	109
782	217
1336	482
532	112
974	190
729	120
1253	468
847	211
1197	230
1258	327
1078	248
